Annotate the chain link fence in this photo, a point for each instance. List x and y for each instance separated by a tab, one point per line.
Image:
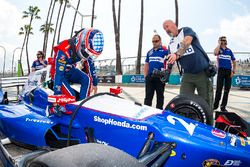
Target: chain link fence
107	66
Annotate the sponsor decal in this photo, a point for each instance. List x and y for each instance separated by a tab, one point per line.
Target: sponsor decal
189	127
62	57
66	100
141	112
172	105
210	162
150	53
38	121
232	163
106	79
102	142
61	68
51	99
62	61
233	140
133	79
124	124
156	59
242	141
200	109
218	133
173	153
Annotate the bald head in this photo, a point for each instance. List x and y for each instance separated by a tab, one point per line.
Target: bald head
170	27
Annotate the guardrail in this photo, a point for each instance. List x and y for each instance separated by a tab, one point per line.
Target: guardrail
13	82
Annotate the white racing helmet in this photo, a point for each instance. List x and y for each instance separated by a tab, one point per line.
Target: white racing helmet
89	42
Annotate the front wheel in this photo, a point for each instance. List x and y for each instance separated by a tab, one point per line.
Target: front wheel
191	106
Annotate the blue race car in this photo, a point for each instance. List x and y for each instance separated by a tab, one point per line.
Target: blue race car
152	136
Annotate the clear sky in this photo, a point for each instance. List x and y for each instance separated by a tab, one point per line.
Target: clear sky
208	18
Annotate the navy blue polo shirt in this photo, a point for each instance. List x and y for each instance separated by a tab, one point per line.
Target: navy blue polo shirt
37	65
225	58
194	59
155	59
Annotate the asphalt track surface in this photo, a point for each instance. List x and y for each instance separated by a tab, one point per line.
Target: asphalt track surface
238	100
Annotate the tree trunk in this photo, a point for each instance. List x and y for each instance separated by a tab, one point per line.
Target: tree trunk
119	17
27	42
74	20
117	41
93	14
27	53
50	19
21	54
176	13
54	38
60	26
138	62
46	23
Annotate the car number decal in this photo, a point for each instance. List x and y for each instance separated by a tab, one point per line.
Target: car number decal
189	127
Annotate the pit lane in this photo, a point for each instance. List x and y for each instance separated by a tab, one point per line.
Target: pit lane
238	100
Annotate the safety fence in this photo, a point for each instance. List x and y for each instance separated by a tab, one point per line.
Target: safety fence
242	81
107	67
12	81
17	82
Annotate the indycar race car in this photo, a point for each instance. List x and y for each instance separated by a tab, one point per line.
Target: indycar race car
150	136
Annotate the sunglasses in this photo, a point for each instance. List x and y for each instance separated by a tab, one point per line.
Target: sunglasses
155	41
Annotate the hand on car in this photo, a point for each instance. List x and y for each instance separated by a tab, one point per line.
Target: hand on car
94	89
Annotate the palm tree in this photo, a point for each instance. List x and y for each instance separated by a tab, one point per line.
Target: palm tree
49	23
60	26
29	29
46	23
57	20
117	37
138	62
33	14
93	13
176	13
74	20
24	31
46	29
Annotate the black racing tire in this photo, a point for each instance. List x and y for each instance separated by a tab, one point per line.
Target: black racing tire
86	155
191	106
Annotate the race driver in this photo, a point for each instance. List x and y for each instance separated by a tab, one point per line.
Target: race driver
86	43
